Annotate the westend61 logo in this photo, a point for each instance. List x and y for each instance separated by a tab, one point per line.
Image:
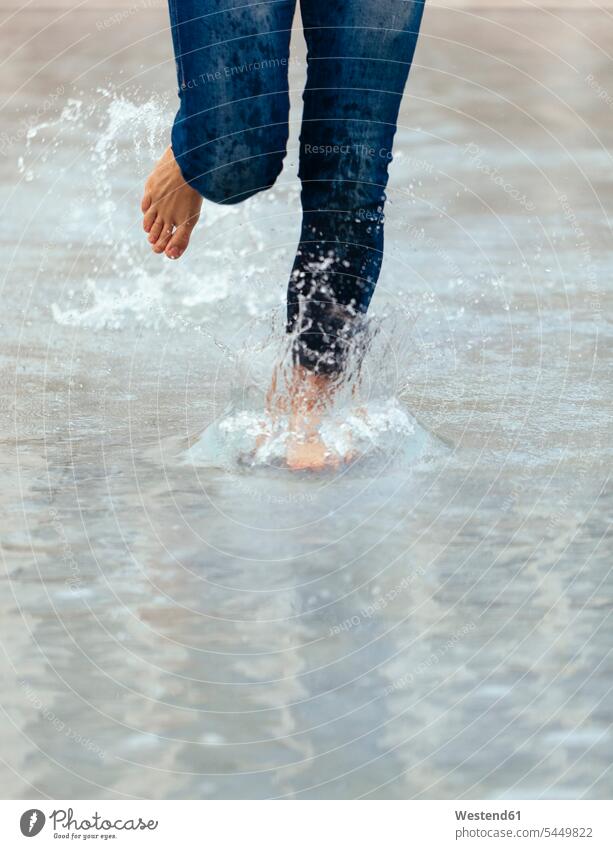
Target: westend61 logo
33	820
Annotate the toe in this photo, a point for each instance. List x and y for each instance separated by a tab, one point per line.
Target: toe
180	240
145	202
156	230
149	219
161	243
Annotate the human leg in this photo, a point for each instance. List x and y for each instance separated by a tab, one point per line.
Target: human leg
230	133
359	56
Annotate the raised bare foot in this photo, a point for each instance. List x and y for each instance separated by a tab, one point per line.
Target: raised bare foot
171	208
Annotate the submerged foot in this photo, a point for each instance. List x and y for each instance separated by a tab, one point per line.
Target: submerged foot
310	397
308	454
171	208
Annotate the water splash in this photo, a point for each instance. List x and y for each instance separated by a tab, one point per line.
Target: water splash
228	291
253	438
362	420
106	145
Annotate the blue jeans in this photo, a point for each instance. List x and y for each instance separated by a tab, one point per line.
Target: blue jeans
230	135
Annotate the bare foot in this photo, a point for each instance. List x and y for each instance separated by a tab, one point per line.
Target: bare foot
310	394
310	455
171	208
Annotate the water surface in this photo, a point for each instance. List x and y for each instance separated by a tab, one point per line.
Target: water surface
433	622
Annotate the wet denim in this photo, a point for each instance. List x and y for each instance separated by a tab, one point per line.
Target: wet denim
230	135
